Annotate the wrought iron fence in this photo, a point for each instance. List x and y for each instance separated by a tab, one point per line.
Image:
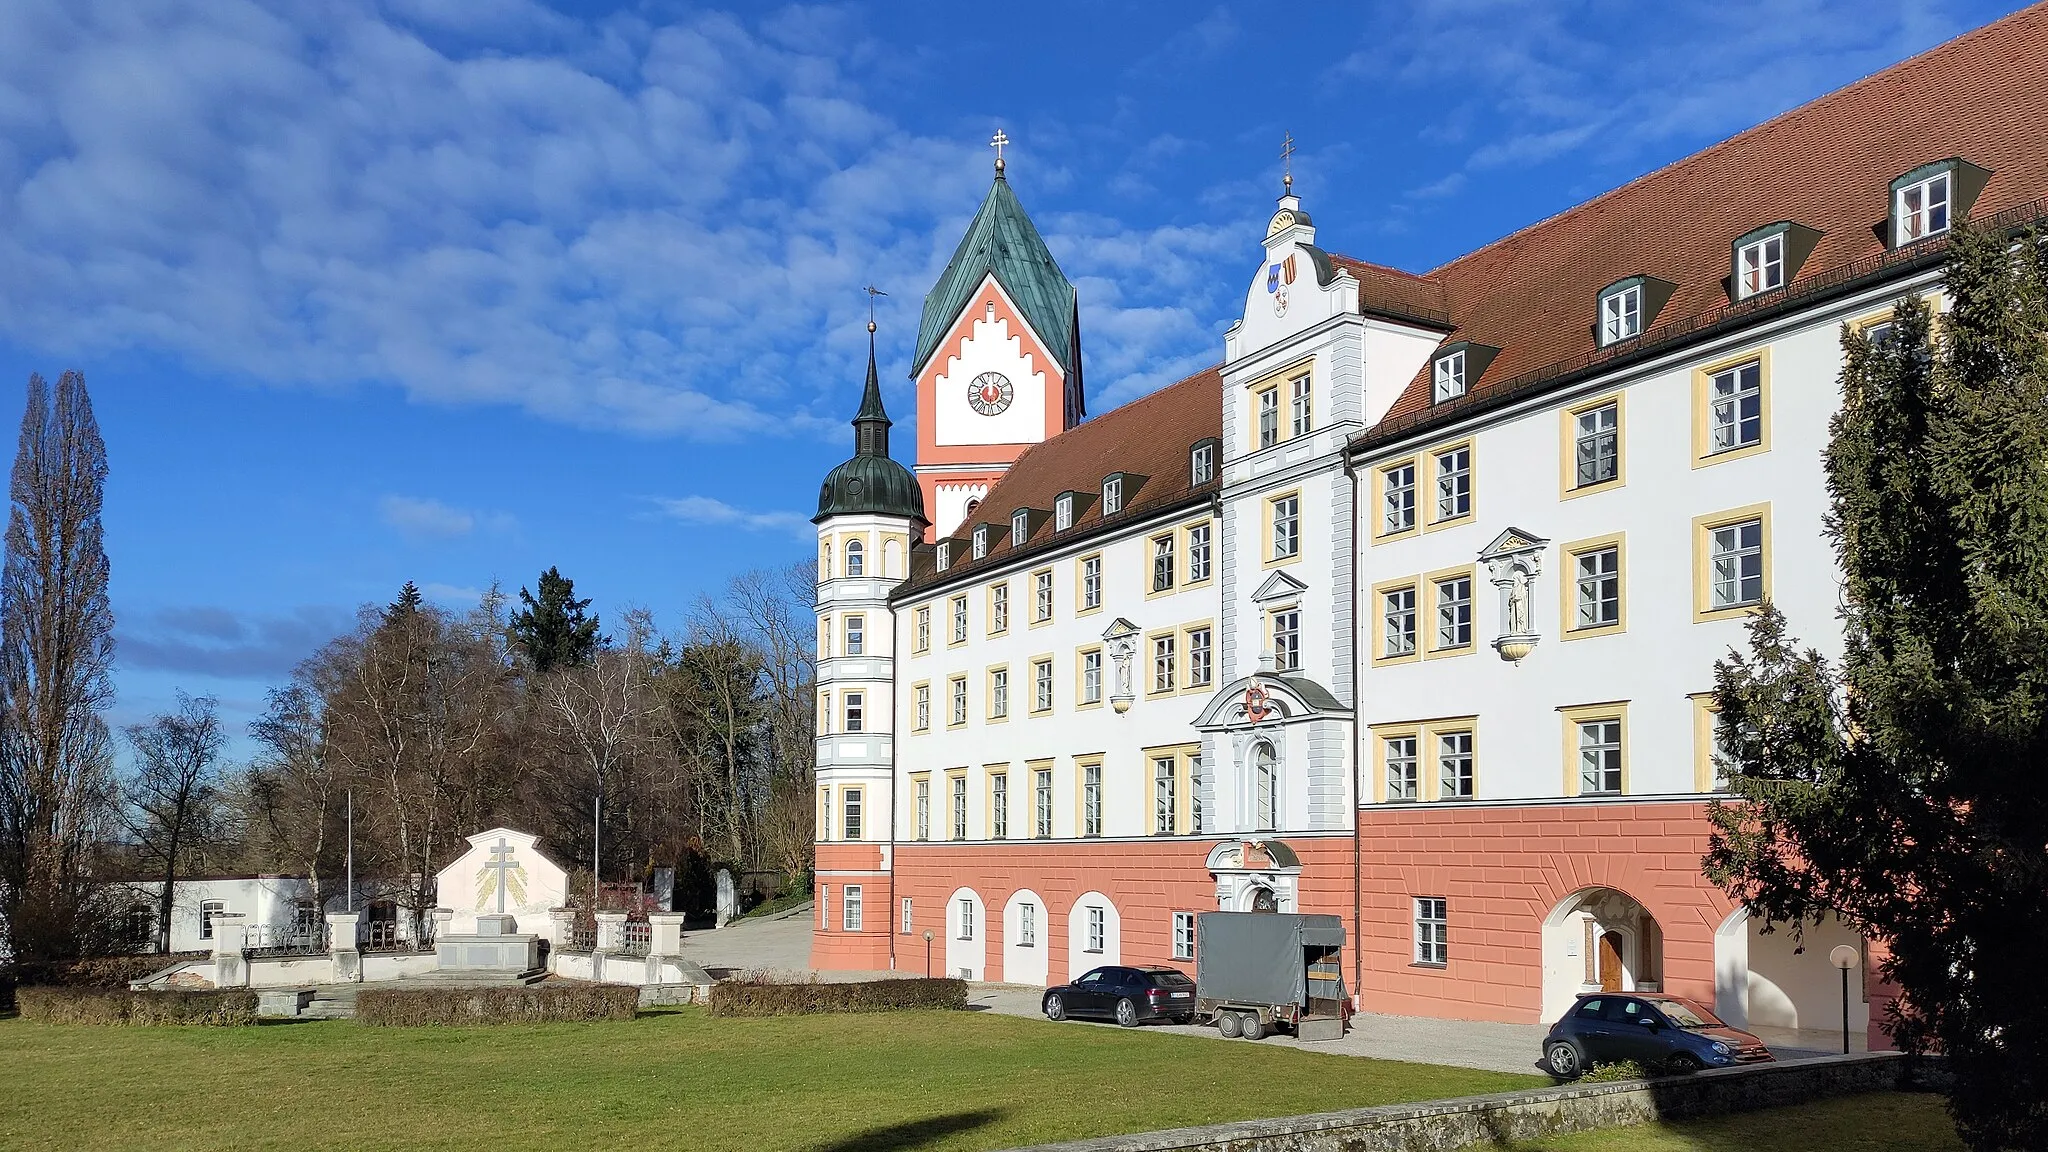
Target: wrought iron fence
305	938
385	936
582	937
637	937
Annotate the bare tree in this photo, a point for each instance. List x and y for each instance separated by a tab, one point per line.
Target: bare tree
773	610
56	649
294	786
600	710
173	800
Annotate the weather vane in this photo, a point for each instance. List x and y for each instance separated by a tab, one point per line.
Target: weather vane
1287	161
872	292
996	142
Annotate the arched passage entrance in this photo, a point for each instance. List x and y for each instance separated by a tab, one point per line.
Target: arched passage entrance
1599	939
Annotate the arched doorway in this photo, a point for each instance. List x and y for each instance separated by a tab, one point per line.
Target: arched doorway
966	931
1599	940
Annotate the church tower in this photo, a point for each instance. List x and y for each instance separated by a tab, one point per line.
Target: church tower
998	363
870	513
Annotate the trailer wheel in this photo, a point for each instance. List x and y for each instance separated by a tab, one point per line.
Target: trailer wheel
1228	1025
1253	1029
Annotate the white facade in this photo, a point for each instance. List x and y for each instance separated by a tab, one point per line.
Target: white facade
861	558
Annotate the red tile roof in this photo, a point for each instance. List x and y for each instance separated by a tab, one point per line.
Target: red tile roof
1828	165
1149	437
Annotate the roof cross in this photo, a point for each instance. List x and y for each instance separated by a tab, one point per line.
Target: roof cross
1287	161
996	142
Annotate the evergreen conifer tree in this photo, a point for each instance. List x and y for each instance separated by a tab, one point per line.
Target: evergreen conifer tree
408	602
1905	789
552	629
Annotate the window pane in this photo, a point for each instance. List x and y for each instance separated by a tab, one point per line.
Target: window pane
1597	446
1454	612
1401	770
1598	577
1399	630
1454	484
1454	764
1397	488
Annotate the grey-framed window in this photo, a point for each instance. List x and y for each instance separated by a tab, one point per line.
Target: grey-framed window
1397	498
1091	800
980	541
1921	209
1596	445
1091	582
908	921
923	697
1599	756
1201	661
856	711
966	918
1112	495
957	785
999	694
1449	377
1455	776
849	908
1735	405
1063	514
1596	574
1202	464
849	813
208	909
1091	677
1287	640
1454	483
1265	788
855	558
1198	553
1286	527
856	635
1020	527
1041	597
1164	663
1041	685
1041	799
1398	616
1269	417
959	620
1760	265
1621	314
924	629
1735	564
1195	791
999	805
824	907
1403	773
1432	930
1027	925
959	699
999	608
1098	929
923	806
1162	563
1301	404
1183	935
942	555
1164	797
1454	613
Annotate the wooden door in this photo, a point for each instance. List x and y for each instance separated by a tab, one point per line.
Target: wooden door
1610	962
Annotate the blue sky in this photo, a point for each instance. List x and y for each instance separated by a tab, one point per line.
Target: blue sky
453	290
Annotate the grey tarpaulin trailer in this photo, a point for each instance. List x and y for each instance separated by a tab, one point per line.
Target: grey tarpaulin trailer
1256	970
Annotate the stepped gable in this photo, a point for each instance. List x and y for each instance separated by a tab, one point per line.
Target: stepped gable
1828	165
1150	437
1003	242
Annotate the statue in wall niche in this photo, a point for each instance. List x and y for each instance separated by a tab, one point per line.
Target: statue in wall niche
1518	602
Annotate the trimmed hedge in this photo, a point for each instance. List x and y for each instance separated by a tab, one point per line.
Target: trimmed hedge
546	1004
232	1007
740	998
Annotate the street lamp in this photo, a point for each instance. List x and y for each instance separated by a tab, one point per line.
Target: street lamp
927	953
1844	957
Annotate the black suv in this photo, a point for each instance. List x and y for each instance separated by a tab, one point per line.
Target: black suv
1129	996
1654	1030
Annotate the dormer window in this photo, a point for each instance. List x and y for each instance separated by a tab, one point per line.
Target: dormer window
1926	201
942	558
1020	527
980	541
1621	314
1202	463
1760	265
1063	512
1113	495
1450	376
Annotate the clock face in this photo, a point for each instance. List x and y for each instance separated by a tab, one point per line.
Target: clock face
990	393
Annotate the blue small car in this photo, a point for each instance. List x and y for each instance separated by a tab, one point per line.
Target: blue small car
1654	1030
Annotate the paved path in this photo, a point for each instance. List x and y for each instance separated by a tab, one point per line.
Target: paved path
780	944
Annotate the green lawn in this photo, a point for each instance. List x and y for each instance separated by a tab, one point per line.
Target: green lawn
680	1079
1880	1122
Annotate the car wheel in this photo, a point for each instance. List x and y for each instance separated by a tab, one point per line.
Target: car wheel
1127	1013
1684	1063
1055	1007
1253	1029
1229	1025
1563	1057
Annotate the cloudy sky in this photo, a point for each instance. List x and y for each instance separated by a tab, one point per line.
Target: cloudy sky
454	290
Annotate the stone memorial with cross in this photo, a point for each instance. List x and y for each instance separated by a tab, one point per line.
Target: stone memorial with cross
494	901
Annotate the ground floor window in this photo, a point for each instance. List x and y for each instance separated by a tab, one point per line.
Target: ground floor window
966	919
906	915
1432	930
824	907
207	911
1098	931
1183	935
849	908
1027	925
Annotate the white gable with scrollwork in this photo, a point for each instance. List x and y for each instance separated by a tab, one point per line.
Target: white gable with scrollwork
1293	289
502	871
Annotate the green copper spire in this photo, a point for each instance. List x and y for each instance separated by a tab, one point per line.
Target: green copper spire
871	483
871	423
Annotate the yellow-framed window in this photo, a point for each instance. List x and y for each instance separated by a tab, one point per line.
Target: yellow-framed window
1596	749
1731	417
1594	587
1394	496
1731	562
1592	446
1452	479
1451	625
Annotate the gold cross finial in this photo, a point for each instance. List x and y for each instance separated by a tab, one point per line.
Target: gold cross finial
1287	161
872	292
996	142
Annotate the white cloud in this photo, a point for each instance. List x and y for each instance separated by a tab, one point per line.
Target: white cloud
422	518
706	510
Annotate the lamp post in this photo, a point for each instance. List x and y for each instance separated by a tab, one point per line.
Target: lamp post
1844	957
927	953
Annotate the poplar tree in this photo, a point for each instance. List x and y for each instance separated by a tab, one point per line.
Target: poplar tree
1904	789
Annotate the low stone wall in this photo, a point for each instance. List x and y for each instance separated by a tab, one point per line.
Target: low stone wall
378	966
662	995
290	971
1442	1125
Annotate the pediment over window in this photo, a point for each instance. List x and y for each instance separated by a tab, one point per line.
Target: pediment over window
1278	586
1512	542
